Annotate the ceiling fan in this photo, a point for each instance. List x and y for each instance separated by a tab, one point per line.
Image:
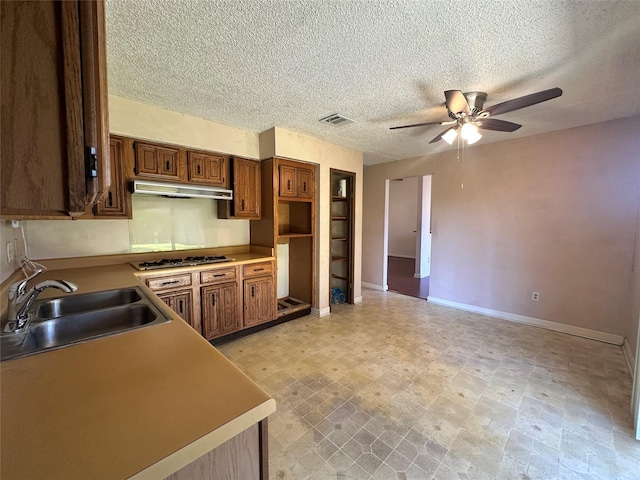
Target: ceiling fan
467	114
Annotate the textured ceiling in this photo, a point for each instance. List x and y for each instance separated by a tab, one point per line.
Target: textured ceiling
256	64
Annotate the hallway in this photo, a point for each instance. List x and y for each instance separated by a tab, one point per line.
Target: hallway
400	278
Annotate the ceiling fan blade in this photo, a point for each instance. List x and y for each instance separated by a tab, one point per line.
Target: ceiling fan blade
443	133
522	102
456	102
418	125
498	125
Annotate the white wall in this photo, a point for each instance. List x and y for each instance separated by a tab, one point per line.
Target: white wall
554	213
403	217
8	234
423	241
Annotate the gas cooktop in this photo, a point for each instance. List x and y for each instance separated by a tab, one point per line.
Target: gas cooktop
181	262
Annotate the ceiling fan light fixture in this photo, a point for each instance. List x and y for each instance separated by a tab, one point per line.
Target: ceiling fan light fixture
469	132
450	136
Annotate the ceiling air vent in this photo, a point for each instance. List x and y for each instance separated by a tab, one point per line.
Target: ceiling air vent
336	119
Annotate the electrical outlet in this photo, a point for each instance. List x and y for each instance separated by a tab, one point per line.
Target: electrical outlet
535	296
10	253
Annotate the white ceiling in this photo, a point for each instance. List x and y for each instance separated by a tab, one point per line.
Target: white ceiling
256	64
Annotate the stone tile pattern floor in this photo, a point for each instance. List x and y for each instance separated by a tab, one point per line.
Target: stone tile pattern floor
397	388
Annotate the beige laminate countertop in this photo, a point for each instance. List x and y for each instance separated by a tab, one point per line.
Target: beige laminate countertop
140	404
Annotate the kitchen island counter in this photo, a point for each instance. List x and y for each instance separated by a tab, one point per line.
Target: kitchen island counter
140	404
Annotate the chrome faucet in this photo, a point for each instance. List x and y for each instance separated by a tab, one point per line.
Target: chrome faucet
20	301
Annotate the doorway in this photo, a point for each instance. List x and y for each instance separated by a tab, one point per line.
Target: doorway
409	236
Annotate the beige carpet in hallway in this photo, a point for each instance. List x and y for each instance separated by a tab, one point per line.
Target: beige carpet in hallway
397	388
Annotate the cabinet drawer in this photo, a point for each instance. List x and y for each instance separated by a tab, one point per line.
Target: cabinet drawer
218	275
257	269
172	281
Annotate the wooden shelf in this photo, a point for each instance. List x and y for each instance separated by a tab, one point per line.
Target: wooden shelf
339	259
339	239
338	218
333	275
295	235
289	305
339	199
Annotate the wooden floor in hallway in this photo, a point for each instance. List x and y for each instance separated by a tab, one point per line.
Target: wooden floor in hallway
400	278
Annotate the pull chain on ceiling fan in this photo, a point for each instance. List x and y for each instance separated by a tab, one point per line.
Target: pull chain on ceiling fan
467	114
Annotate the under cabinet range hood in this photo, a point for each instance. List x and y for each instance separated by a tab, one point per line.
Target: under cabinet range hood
178	190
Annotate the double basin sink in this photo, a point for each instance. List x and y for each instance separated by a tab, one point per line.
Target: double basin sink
64	321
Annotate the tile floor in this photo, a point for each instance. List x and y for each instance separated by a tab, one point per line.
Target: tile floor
397	388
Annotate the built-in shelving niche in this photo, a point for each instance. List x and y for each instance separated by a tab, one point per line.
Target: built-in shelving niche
342	224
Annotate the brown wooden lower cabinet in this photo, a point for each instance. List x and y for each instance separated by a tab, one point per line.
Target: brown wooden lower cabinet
180	302
220	313
218	301
259	301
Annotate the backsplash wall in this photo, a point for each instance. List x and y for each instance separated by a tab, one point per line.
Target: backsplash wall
158	224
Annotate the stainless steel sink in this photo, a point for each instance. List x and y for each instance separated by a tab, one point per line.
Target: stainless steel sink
69	305
64	321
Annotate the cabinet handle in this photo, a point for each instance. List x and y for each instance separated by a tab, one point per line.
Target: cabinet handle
172	282
198	168
213	300
258	269
253	291
110	199
304	186
180	307
168	165
288	184
219	275
242	203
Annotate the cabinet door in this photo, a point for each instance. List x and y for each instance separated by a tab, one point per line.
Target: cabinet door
219	309
206	169
305	183
246	185
259	301
157	162
287	181
52	98
180	302
117	202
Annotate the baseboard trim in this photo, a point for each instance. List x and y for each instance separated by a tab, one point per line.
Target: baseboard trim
412	257
628	356
536	322
323	312
357	300
374	286
417	275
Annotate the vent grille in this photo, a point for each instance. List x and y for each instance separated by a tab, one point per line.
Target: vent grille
336	119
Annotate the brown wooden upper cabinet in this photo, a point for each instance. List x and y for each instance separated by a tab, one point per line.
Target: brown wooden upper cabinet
117	201
206	168
156	161
296	182
54	125
246	184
